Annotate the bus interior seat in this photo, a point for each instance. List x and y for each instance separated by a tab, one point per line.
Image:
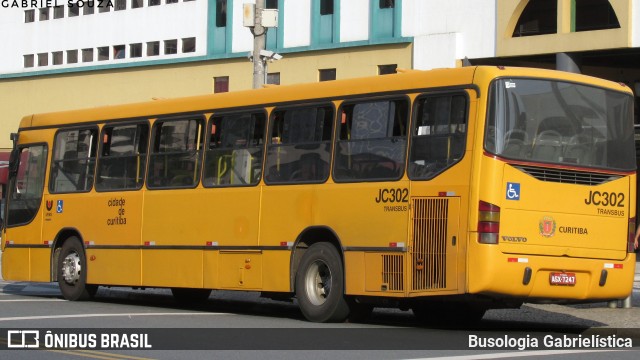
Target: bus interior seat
579	150
561	124
547	146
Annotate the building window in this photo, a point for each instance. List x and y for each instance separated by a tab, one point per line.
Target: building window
387	69
136	4
189	45
43	59
58	12
44	14
274	35
220	84
326	74
29	16
170	47
56	57
595	15
74	10
325	22
271	4
103	6
120	5
153	48
135	50
385	20
118	52
221	13
538	18
28	61
87	55
326	7
103	53
154	2
89	8
171	2
72	56
273	78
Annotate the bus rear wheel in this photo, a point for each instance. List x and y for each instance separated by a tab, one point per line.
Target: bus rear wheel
320	285
72	272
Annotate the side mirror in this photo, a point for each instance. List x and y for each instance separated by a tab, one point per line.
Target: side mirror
15	153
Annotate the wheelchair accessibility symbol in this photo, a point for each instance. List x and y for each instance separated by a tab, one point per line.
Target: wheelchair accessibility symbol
513	191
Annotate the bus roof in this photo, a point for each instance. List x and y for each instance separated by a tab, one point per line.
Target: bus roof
412	79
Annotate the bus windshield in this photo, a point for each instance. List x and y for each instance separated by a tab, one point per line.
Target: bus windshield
561	123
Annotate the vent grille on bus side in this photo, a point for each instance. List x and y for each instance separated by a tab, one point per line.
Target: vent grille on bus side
428	251
393	272
567	176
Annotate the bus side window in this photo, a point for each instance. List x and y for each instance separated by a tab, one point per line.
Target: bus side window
123	157
438	135
176	153
299	150
234	152
372	141
74	159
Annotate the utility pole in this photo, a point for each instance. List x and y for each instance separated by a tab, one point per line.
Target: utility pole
259	20
259	42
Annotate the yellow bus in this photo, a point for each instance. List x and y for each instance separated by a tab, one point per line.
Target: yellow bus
448	191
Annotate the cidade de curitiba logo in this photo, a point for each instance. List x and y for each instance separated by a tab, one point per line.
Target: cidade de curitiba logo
38	4
547	226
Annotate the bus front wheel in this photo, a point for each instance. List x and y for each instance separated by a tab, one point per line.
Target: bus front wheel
320	285
72	272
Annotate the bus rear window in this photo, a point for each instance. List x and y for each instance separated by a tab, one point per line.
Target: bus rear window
561	123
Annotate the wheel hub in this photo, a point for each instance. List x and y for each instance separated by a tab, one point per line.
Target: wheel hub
71	268
318	282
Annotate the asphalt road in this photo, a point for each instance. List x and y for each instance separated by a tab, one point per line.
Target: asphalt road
238	325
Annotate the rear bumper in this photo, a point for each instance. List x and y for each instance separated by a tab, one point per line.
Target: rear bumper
496	274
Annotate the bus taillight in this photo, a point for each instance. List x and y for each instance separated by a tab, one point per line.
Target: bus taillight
632	235
488	223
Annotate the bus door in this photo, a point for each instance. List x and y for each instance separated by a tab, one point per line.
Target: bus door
439	166
24	217
171	250
367	202
232	171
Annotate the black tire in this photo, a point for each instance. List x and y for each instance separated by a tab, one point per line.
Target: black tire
186	296
72	272
320	285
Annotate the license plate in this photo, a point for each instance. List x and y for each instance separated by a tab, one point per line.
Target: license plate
562	278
